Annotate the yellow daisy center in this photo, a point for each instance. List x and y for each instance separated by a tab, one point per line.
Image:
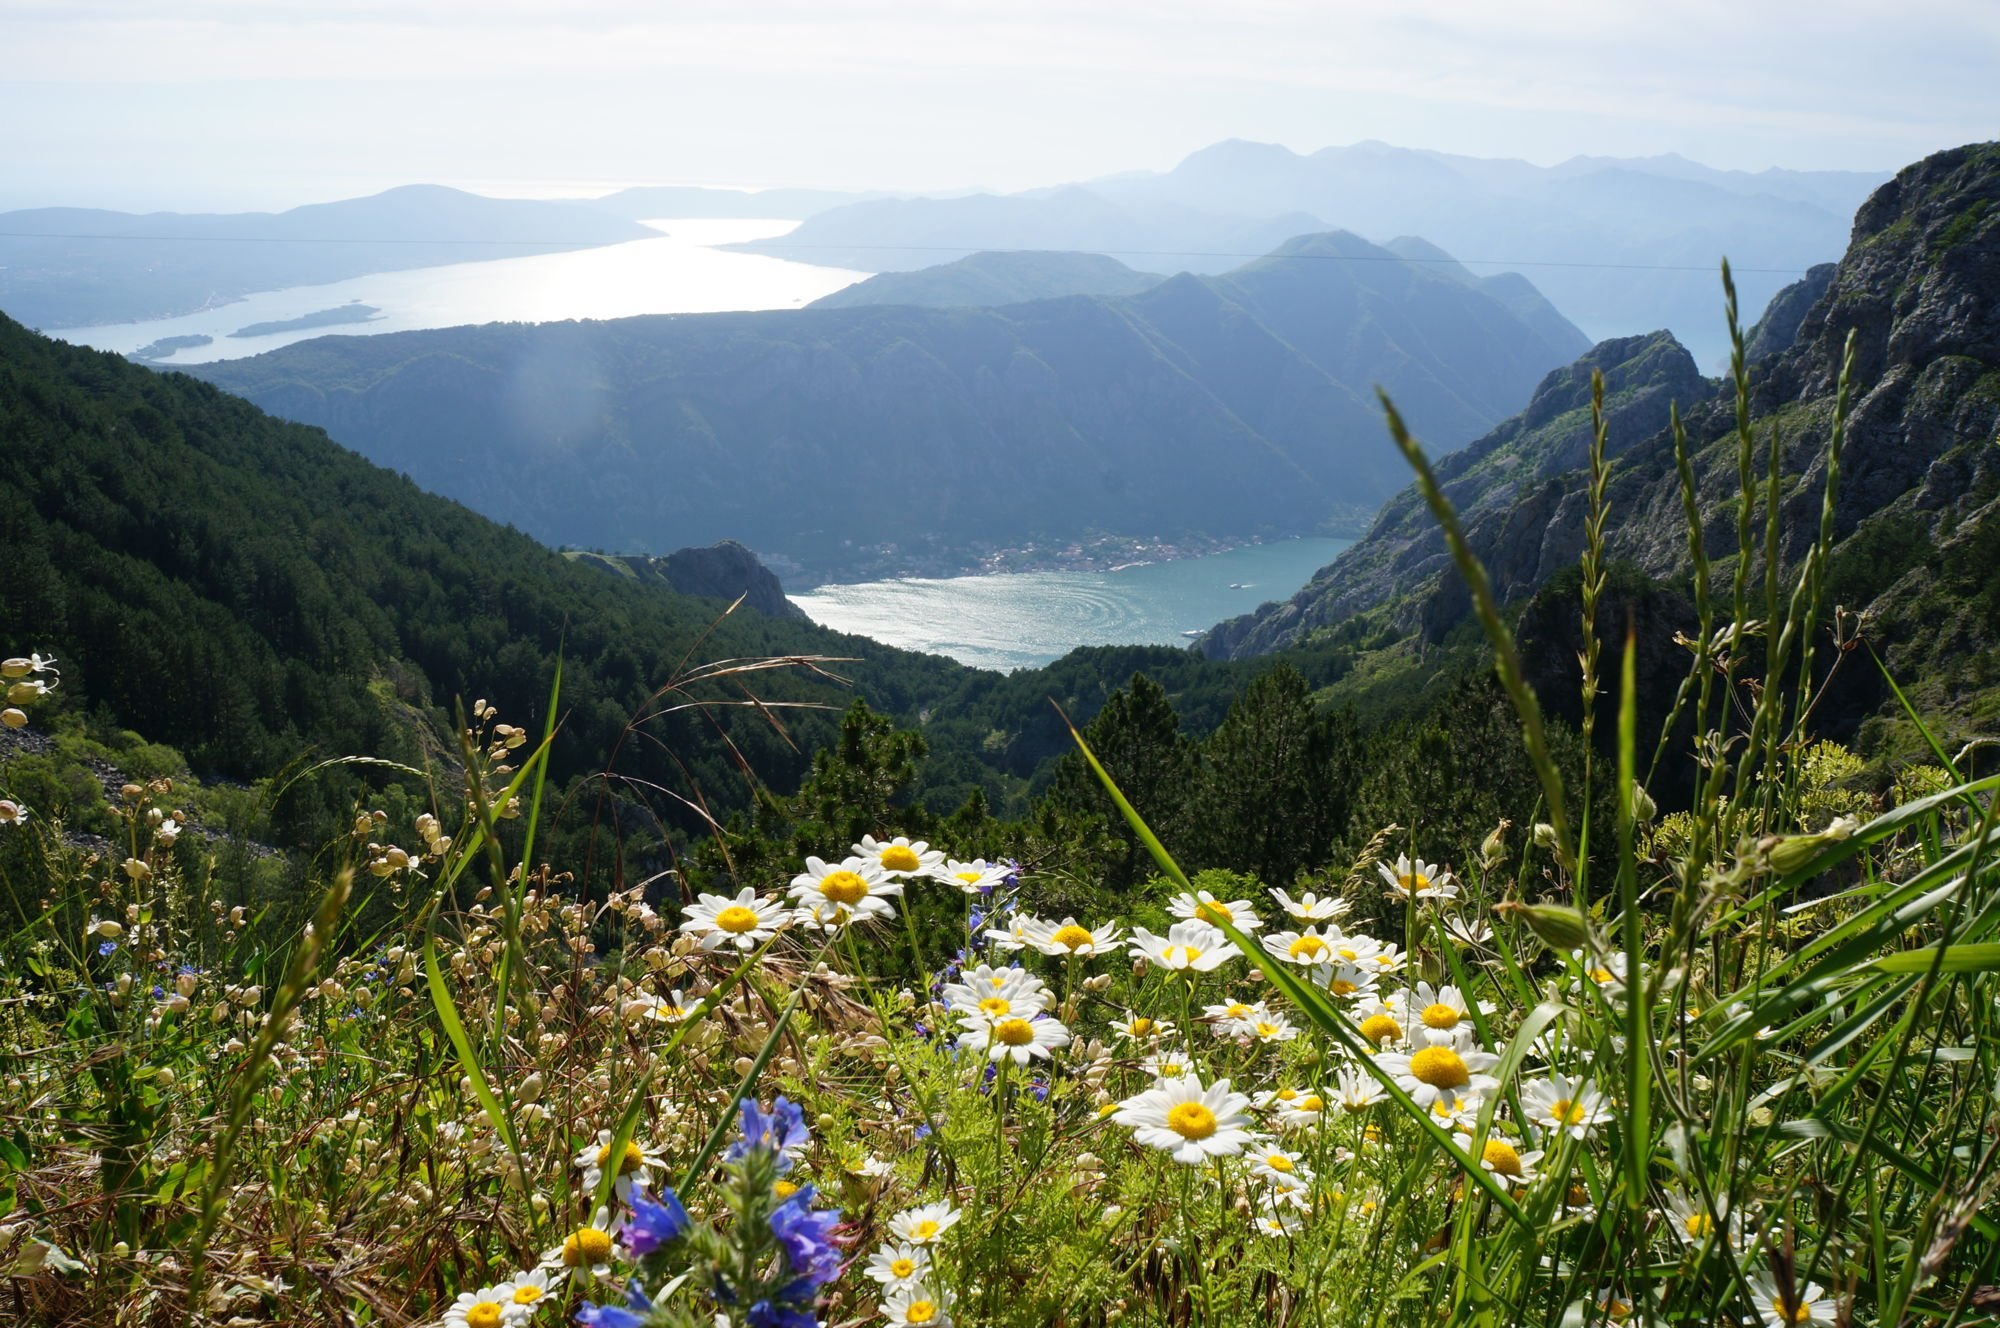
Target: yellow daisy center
1349	953
1014	1032
484	1314
1211	912
1140	1027
1185	954
995	1006
1440	1067
1617	1310
1108	1109
1287	1094
920	1311
1311	1102
784	1189
902	1267
1380	1028
1602	975
927	1229
1414	881
1307	947
527	1293
1343	987
844	887
736	918
1501	1157
1237	1010
1191	1120
969	877
1265	1030
1169	1070
1795	1313
1073	937
1697	1226
1279	1162
1565	1112
632	1161
586	1246
1439	1015
900	857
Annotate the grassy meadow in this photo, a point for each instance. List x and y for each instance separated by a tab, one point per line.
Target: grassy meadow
1731	1064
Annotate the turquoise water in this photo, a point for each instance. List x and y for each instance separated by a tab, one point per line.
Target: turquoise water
1020	620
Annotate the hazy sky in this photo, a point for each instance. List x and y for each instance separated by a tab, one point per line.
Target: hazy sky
268	103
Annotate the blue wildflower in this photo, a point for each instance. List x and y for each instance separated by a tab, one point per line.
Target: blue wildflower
632	1314
781	1130
654	1222
780	1314
107	948
806	1237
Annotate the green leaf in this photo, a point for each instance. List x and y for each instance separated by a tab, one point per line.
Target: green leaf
1982	958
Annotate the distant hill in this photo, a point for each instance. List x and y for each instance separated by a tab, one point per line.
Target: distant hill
76	267
1917	518
901	235
983	280
248	591
1233	406
1620	246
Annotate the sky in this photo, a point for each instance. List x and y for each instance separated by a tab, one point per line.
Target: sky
222	104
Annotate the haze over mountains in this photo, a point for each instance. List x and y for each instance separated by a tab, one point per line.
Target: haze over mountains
1619	245
1232	406
72	267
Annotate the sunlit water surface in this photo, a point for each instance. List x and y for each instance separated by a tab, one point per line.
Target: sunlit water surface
679	272
1024	619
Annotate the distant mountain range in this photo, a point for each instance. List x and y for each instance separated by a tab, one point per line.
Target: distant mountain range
1619	245
1229	406
1917	522
75	267
983	280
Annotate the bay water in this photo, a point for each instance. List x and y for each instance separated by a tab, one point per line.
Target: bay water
1019	620
680	271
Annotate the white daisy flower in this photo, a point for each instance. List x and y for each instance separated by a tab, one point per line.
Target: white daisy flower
898	1265
1456	1111
1269	1026
1512	1167
1558	1105
485	1308
1301	1111
1805	1305
1193	947
1309	907
1166	1066
1440	1068
674	1009
1013	1037
1278	1221
978	877
1388	958
12	812
588	1246
1201	906
525	1292
831	897
1188	1121
1014	934
1379	1023
1279	1168
1349	980
899	857
1440	1009
635	1168
1469	933
1607	970
996	993
1357	1090
1418	879
1232	1018
1068	938
917	1303
745	922
1141	1028
1305	948
925	1225
1693	1224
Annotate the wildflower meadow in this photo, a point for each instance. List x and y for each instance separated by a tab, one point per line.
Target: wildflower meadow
1729	1064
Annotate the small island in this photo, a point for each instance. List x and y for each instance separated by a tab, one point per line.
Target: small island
166	346
355	312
